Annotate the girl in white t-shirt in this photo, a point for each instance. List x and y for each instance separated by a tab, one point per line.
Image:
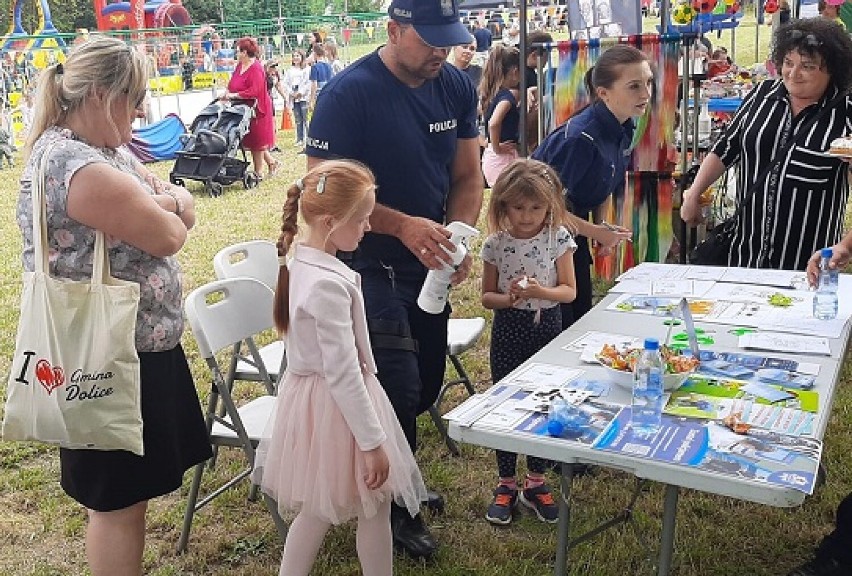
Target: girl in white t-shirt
528	269
298	85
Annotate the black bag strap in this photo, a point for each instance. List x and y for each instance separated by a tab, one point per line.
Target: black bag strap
800	136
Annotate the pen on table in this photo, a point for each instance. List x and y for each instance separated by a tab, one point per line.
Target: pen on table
609	226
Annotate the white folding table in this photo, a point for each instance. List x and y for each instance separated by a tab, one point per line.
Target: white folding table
674	476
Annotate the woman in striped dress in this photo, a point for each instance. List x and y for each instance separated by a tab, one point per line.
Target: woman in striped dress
798	208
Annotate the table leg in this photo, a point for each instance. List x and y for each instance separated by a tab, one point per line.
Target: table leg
667	537
562	529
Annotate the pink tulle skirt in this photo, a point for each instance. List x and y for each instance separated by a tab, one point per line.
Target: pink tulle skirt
308	459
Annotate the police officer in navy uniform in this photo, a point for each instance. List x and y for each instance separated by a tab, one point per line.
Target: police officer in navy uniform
411	118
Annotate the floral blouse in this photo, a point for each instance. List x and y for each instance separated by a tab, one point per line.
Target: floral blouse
532	257
159	322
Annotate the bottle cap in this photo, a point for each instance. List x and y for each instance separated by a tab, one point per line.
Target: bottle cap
826	253
652	344
555	428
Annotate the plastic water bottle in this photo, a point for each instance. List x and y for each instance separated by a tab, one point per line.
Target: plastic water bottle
564	419
705	123
648	391
825	299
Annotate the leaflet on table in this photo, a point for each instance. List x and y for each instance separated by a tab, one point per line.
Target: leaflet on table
793	302
649	271
807	400
760	455
540	375
596	418
785	342
794	413
677	287
539	400
510	401
594	341
660	305
756	368
764	277
772	318
478	405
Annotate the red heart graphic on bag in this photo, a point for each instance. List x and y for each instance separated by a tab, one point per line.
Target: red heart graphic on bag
50	377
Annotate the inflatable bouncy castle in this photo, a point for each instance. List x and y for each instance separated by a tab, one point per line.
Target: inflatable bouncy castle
136	14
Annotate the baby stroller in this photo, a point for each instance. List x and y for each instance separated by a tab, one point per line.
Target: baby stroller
210	150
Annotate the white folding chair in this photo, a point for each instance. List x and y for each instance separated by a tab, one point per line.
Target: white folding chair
256	259
462	335
220	314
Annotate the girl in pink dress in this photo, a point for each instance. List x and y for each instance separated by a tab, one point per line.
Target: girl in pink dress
248	82
333	449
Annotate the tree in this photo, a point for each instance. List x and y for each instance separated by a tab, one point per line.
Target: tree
67	17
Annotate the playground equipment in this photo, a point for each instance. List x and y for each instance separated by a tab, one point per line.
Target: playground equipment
205	40
136	14
45	44
153	14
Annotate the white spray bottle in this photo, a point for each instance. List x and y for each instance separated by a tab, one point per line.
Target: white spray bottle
705	123
433	295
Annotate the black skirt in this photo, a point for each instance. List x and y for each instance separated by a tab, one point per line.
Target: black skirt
174	435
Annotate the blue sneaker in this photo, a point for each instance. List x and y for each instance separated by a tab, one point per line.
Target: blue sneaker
540	500
500	510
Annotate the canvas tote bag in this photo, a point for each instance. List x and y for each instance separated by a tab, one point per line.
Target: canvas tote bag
75	375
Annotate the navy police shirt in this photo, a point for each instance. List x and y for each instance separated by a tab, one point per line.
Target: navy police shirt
406	136
591	153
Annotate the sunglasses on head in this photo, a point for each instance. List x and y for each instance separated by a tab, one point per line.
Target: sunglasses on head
809	39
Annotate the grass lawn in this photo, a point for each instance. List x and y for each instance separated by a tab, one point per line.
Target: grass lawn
43	531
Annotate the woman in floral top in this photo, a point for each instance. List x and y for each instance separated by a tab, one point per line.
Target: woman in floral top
83	117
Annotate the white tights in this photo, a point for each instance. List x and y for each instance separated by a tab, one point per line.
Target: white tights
373	541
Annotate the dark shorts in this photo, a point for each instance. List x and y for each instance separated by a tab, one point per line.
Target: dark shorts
174	434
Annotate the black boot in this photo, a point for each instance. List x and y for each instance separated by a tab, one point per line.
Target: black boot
411	534
434	502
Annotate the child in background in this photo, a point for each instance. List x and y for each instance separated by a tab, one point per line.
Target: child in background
528	269
298	84
332	56
333	449
830	11
7	146
498	97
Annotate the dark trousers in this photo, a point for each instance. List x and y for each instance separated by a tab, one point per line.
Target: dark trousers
412	379
515	337
838	544
575	310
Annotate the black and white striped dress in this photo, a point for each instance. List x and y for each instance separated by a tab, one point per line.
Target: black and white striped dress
783	225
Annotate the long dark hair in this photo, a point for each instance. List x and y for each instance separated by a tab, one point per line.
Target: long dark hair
501	61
